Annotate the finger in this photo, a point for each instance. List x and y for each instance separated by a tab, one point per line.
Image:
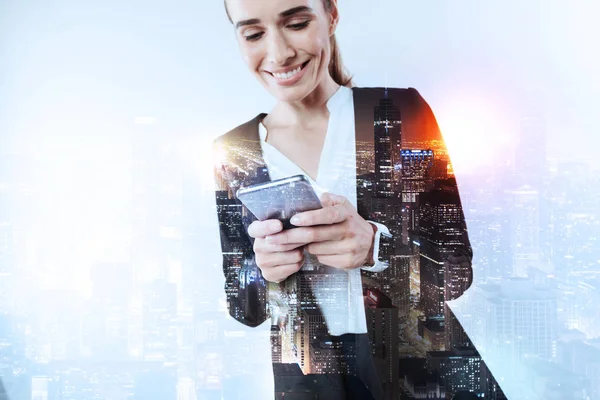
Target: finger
308	234
267	261
329	199
330	248
323	216
340	261
261	246
260	229
281	272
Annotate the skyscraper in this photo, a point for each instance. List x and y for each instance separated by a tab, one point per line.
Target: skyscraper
530	154
387	125
517	319
525	230
39	387
460	369
386	201
441	229
416	166
416	178
383	335
230	213
456	281
275	344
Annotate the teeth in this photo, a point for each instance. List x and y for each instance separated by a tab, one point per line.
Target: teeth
287	75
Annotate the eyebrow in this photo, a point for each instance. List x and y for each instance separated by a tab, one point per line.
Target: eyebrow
282	14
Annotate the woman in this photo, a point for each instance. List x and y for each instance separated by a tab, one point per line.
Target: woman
308	279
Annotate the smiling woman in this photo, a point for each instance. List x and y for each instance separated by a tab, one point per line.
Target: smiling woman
305	29
308	280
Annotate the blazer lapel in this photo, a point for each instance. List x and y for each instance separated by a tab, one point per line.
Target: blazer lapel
254	159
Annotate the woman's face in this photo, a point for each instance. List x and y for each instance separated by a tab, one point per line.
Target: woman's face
285	43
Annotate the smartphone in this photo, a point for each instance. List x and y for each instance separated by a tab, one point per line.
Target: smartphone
280	199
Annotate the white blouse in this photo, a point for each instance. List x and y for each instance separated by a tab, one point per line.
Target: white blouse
336	174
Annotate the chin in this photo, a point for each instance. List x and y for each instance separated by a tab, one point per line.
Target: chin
289	94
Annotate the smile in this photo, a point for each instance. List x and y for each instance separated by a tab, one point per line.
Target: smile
290	77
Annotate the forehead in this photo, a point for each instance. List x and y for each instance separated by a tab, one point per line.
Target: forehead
266	9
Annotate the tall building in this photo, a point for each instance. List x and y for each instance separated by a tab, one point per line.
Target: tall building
387	125
39	388
582	358
530	154
441	230
432	330
460	369
416	178
145	215
516	320
311	333
9	218
6	263
383	335
231	214
395	282
383	192
525	230
186	389
457	279
159	314
275	344
416	167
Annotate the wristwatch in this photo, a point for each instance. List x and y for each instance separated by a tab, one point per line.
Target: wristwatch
382	246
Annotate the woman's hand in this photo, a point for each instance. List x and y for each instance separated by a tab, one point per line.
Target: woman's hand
335	234
276	261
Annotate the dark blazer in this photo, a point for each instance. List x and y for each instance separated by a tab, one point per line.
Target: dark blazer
402	182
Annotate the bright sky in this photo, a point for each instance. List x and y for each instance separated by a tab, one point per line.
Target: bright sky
97	65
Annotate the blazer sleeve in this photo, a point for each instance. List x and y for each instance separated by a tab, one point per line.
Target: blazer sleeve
460	269
245	287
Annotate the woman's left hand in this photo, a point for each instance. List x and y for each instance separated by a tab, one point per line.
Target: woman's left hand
336	234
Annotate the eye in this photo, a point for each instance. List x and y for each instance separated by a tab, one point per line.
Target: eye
254	37
299	26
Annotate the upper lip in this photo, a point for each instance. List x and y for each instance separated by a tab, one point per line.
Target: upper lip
283	71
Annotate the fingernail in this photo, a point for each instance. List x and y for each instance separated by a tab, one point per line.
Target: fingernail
274	225
295	220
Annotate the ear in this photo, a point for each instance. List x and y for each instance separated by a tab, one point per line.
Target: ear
334	17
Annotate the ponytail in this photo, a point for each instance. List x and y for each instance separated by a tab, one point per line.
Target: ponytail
336	66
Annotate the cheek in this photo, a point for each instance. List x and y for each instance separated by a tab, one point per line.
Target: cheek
250	58
324	60
321	49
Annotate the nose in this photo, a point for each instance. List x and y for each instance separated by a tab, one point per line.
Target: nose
279	49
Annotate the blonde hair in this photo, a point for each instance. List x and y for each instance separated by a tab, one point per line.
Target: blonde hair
336	66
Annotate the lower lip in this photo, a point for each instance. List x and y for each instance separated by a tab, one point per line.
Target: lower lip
291	80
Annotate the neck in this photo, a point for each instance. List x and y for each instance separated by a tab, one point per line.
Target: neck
302	112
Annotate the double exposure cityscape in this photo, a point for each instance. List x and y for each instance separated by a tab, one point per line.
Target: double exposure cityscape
150	320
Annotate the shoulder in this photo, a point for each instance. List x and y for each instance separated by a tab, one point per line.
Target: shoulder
408	93
246	130
404	97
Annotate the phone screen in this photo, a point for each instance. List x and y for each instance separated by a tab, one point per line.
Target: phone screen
280	199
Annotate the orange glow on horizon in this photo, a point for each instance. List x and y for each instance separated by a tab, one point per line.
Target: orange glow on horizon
475	131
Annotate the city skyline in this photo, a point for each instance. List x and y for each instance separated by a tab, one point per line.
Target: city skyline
105	289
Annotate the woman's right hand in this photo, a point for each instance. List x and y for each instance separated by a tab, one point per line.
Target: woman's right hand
276	261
